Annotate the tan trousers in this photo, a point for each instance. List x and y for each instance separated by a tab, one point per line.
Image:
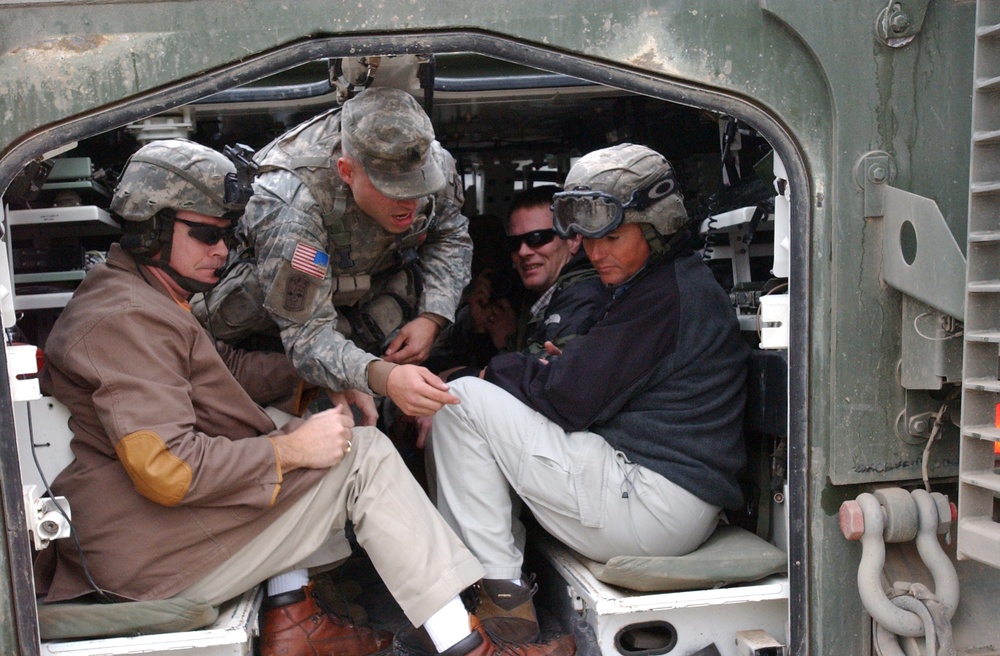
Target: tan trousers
420	559
493	452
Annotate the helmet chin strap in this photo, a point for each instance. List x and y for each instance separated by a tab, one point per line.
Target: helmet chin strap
662	245
166	238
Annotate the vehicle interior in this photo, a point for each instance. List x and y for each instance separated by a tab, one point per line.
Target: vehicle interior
509	126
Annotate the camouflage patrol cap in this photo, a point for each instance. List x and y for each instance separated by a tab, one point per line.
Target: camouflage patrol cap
624	169
173	174
390	135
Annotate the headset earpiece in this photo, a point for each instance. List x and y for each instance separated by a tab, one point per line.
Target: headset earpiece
143	237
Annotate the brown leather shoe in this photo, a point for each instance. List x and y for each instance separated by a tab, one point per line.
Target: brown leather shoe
296	625
505	609
416	642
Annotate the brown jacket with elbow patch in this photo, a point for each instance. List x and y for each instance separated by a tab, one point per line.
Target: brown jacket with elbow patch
173	469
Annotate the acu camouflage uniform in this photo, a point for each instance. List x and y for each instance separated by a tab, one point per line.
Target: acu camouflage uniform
358	274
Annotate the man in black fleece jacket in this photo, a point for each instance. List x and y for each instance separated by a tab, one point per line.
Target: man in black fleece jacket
562	293
628	440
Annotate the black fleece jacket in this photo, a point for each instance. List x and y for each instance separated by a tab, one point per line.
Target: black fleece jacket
578	296
661	377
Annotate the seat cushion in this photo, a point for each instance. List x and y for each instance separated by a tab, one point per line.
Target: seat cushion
730	555
72	620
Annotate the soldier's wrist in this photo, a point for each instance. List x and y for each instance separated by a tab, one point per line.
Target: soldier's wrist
436	319
378	376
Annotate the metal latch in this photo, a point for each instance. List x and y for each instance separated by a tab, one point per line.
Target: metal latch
874	172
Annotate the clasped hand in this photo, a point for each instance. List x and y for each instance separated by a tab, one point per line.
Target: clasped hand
321	441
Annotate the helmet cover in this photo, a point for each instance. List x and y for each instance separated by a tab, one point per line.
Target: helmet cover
618	176
173	174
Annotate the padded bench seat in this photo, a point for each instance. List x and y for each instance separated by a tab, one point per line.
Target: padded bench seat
698	603
178	627
730	555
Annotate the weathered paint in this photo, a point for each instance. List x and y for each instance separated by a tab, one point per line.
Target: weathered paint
830	92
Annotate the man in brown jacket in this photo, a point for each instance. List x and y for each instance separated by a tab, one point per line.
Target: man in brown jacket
182	485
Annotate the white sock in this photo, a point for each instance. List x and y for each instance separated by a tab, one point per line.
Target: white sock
287	582
449	625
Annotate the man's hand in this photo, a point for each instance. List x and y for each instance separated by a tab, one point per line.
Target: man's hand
551	351
413	343
417	391
319	442
363	402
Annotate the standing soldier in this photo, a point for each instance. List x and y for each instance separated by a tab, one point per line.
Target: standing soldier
355	250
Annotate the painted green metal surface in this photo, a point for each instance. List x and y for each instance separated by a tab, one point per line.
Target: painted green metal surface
63	59
816	69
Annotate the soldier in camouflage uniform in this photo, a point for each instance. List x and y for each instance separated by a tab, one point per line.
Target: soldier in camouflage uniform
355	246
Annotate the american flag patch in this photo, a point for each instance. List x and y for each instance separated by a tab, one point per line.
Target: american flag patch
309	260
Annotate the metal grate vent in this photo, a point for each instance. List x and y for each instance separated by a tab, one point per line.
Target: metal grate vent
979	490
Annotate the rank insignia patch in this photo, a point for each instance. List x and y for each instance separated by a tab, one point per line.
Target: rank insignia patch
295	292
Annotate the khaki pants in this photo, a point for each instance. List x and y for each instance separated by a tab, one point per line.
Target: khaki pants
493	452
418	556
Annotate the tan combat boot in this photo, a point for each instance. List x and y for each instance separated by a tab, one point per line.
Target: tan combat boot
296	625
505	609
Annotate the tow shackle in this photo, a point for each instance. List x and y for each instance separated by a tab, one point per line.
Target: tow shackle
895	515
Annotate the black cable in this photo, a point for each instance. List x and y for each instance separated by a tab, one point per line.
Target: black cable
72	529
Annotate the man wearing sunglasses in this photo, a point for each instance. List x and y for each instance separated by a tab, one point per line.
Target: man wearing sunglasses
184	486
567	289
564	292
627	442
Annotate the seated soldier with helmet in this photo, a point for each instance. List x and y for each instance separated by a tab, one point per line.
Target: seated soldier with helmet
354	249
628	441
184	486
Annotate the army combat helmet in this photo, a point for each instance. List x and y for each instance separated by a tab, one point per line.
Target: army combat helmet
171	175
626	183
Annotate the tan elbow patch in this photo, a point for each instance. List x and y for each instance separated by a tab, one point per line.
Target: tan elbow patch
158	475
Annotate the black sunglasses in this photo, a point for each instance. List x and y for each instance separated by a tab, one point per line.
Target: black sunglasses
533	239
209	235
